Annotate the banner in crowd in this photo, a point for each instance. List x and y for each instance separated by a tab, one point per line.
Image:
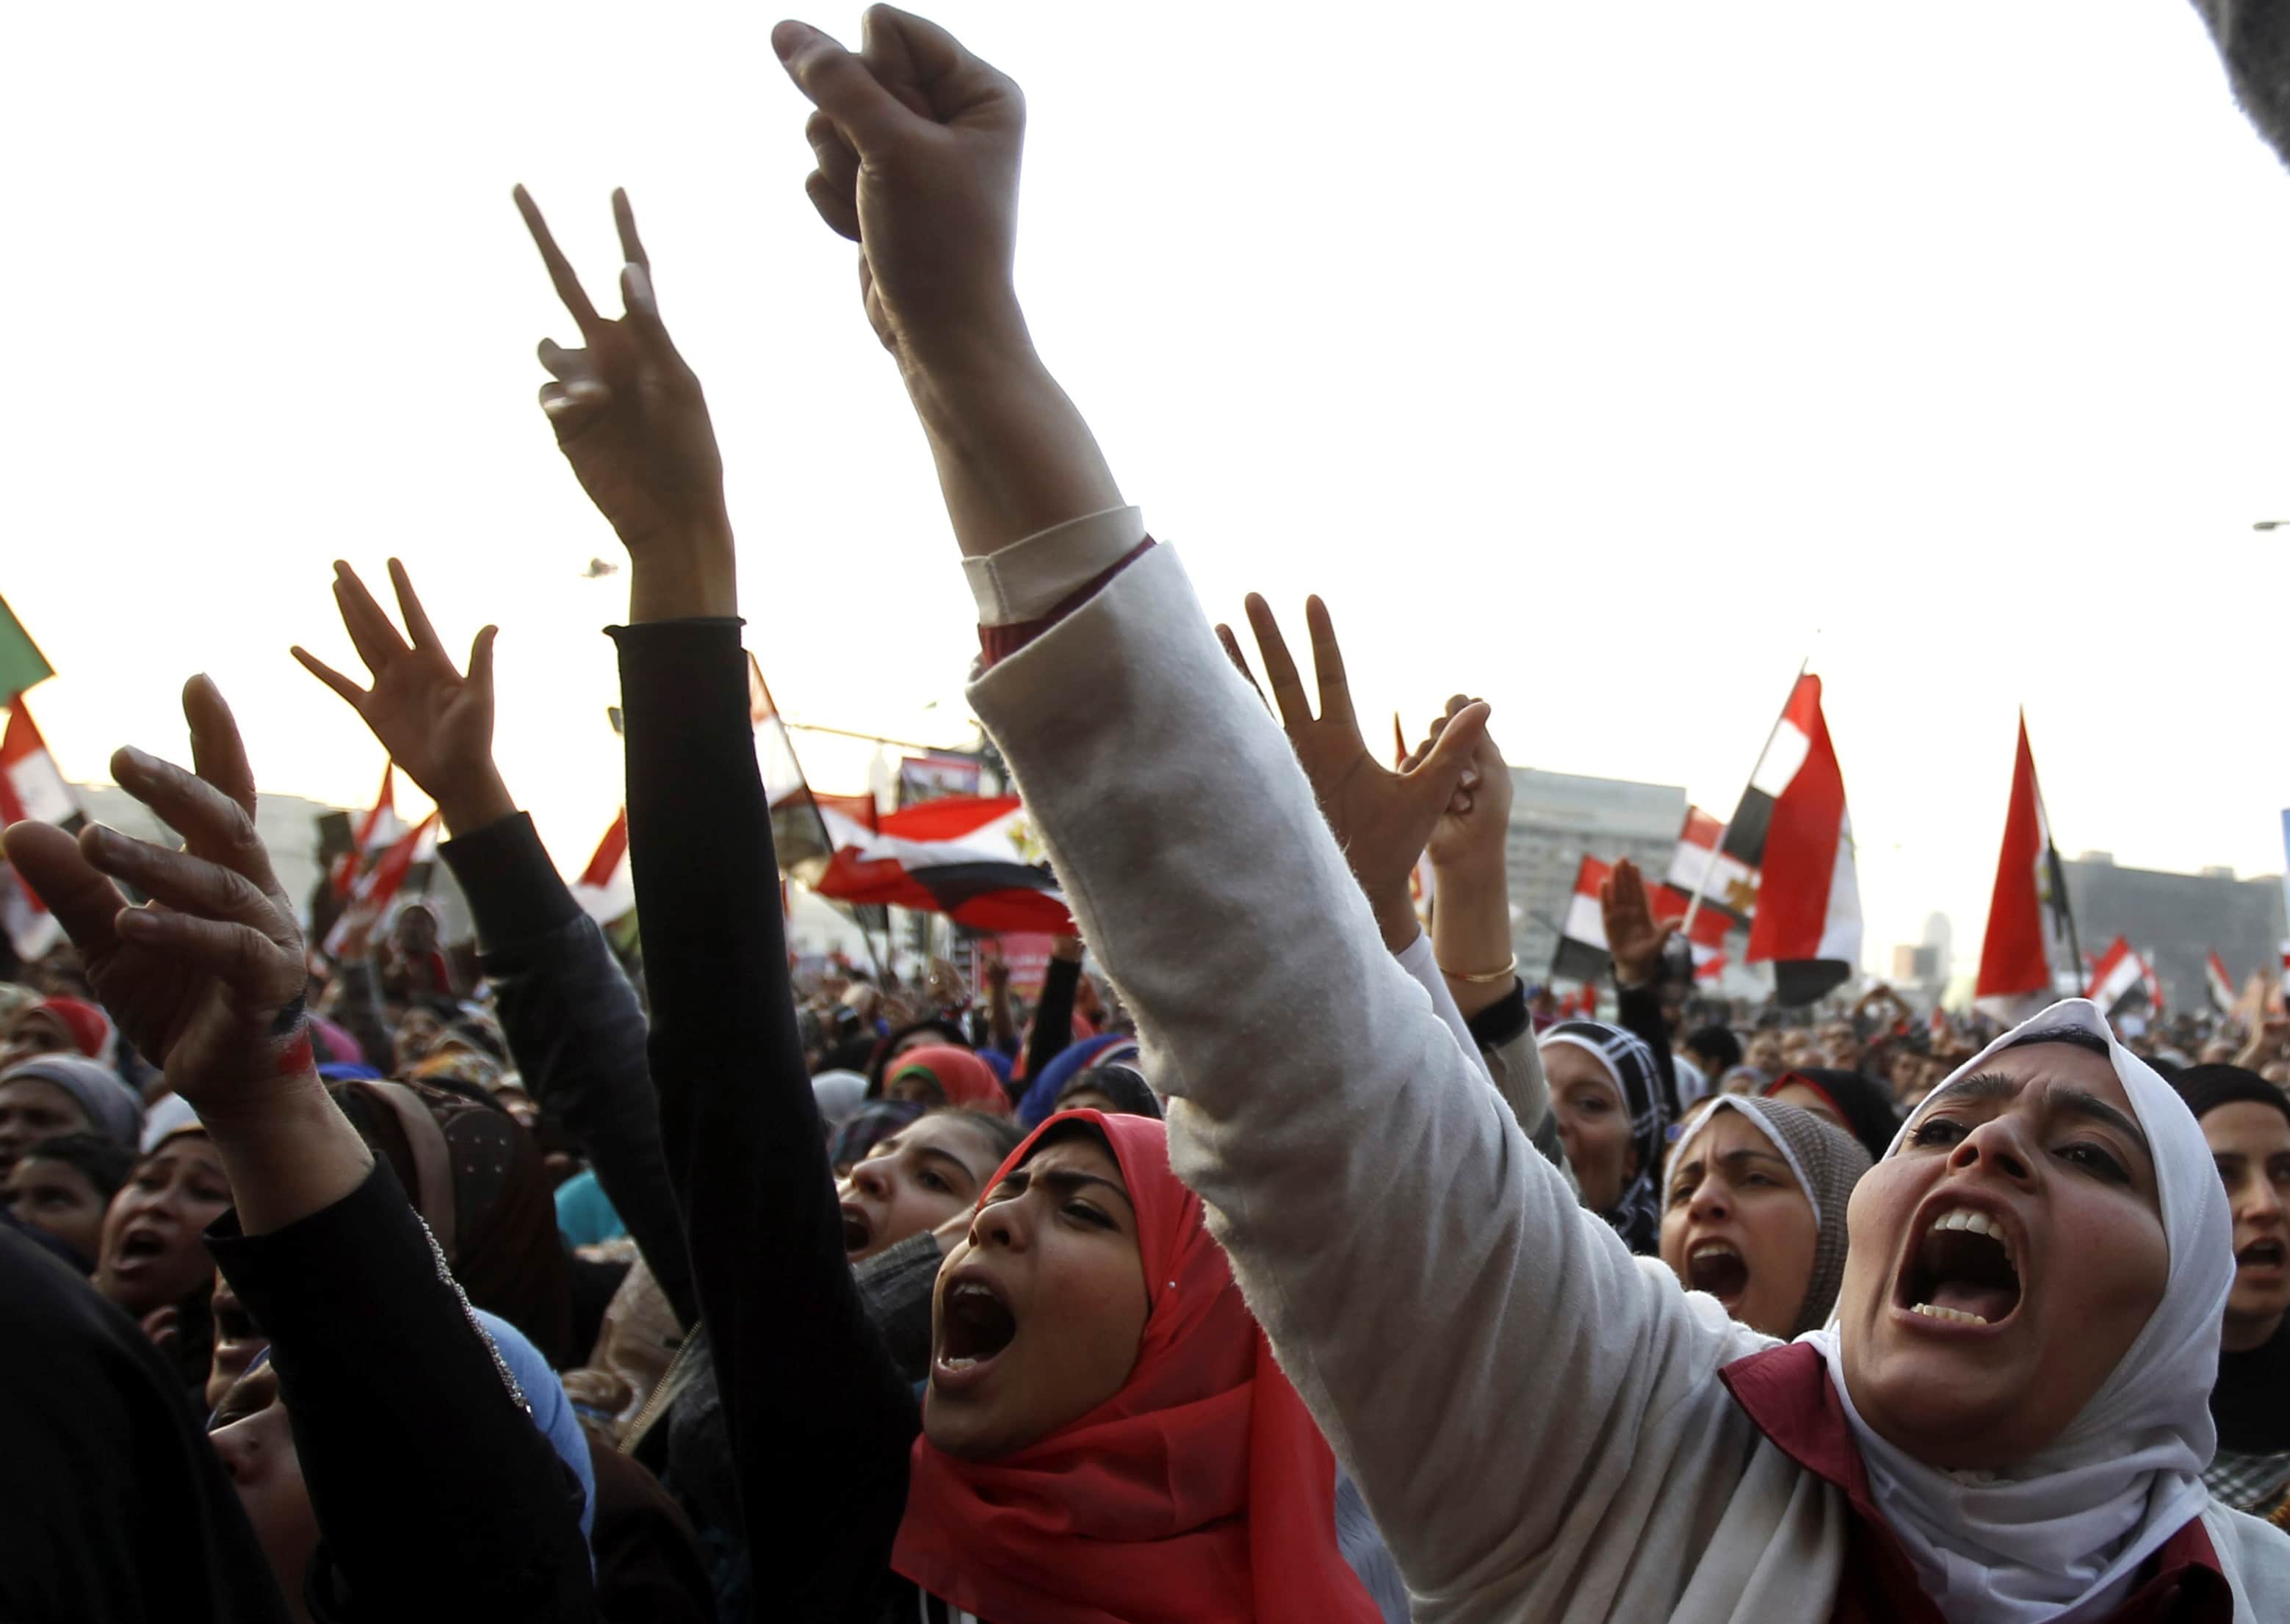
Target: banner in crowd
1792	827
935	777
2221	984
1026	952
373	898
2120	972
1582	955
378	831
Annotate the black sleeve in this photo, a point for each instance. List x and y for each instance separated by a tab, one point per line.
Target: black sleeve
897	1284
1638	1010
820	1421
357	1011
1503	1021
576	1032
1053	1016
436	1495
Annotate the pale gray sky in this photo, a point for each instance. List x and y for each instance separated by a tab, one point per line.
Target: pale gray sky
1602	360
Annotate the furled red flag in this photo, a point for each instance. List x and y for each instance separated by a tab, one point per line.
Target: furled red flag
1582	955
1792	827
2221	984
31	790
2119	973
607	890
378	885
377	831
1700	864
2015	962
973	858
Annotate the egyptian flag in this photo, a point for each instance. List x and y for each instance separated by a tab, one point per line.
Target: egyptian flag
801	835
2222	985
31	791
607	890
377	888
377	831
2014	958
1582	955
2120	973
974	858
1700	865
1792	828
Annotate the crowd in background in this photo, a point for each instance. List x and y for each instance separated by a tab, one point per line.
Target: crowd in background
1289	1256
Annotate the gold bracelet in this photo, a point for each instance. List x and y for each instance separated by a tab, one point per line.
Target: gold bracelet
1507	970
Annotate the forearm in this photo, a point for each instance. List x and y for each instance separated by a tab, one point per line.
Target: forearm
403	1419
1053	1016
287	1156
1014	456
1470	932
576	1032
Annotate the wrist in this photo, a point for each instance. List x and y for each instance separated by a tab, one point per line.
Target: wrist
956	358
1487	869
1394	918
693	574
473	800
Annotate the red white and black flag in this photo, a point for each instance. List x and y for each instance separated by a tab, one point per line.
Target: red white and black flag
2221	984
379	829
1582	955
2028	911
1793	828
1702	865
2119	973
971	858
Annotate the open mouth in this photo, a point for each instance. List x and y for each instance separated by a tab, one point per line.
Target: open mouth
1716	1268
1963	1270
858	1231
138	1245
974	1326
2262	1254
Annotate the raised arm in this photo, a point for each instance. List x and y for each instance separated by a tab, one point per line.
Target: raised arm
1365	1181
819	1419
383	1371
572	1020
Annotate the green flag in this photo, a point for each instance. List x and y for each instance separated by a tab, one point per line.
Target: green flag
21	663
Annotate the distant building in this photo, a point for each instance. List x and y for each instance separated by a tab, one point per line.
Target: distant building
1557	819
1917	966
2177	920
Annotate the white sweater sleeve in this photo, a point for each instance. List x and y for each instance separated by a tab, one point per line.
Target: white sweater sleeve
1484	1357
1422	968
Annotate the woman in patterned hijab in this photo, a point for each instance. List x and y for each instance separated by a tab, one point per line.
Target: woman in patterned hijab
1608	1098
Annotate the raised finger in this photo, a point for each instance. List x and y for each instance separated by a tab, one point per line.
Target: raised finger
84	902
183	881
560	269
418	628
218	752
564	364
624	216
1328	662
351	693
840	209
214	828
1279	668
375	639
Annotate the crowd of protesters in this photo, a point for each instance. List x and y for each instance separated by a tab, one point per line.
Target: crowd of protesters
1287	1259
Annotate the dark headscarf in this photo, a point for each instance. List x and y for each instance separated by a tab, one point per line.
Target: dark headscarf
115	1506
495	1199
1863	1103
1120	1082
2250	1401
866	1127
1637	1213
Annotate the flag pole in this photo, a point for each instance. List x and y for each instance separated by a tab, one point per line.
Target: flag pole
1702	882
2058	870
812	800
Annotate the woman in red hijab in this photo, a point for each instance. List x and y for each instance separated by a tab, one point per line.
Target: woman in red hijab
940	1074
1105	1434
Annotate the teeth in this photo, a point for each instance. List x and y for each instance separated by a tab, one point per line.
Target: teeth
1979	1223
1958	1314
1714	1249
962	1363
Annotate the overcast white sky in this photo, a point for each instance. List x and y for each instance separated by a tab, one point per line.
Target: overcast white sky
1602	360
